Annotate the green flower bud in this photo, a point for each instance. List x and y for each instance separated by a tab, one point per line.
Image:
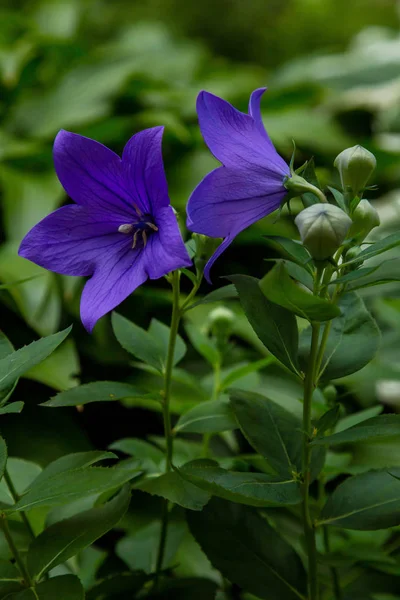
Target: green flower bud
365	218
355	166
221	320
205	248
323	228
350	255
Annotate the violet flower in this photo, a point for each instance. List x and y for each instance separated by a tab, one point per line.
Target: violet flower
249	185
122	229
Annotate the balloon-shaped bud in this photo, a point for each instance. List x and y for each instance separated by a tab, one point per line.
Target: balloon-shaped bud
221	320
323	228
365	218
355	166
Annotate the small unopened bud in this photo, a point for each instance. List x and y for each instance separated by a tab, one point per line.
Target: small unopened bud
221	320
355	166
351	254
323	228
205	248
365	218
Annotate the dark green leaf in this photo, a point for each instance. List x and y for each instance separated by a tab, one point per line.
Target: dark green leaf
209	417
160	332
175	489
98	391
273	432
195	588
279	287
223	293
384	426
16	364
275	326
358	417
77	460
6	348
13	407
66	538
203	344
328	420
65	587
10	579
374	249
3	456
386	272
139	449
237	373
115	587
248	551
368	501
254	489
291	250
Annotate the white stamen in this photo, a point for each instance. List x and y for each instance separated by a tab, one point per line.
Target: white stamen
126	228
144	238
152	226
135	238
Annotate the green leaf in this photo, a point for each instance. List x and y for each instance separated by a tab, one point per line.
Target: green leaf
291	250
13	407
224	293
209	417
139	449
279	287
71	485
60	369
275	326
161	332
16	364
65	587
3	456
195	588
368	501
203	344
97	391
253	489
273	432
328	420
149	346
77	460
248	551
243	370
378	248
10	579
358	417
6	348
339	198
64	539
384	426
175	489
353	340
115	586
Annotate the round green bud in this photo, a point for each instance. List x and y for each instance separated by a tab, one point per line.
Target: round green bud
355	166
350	255
365	218
323	228
221	321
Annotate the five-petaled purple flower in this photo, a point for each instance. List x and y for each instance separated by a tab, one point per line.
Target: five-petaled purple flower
249	185
122	229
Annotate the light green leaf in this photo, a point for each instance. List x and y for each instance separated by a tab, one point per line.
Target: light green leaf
253	489
358	417
64	587
386	272
209	417
275	326
384	426
161	332
243	370
278	287
391	241
16	364
13	407
64	539
175	489
368	501
98	391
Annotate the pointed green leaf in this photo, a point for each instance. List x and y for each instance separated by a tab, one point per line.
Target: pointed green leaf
384	245
10	579
279	287
224	293
77	460
275	326
6	348
209	417
139	449
253	489
248	551
16	364
161	332
64	539
368	501
175	489
203	344
291	250
64	587
12	408
384	426
241	371
328	420
117	585
98	391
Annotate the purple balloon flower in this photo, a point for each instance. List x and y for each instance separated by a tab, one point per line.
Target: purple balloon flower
122	229
249	185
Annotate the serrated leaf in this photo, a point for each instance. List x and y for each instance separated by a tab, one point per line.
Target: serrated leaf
279	287
12	408
97	391
275	326
64	587
77	460
64	539
209	417
176	489
161	332
16	364
248	551
253	489
381	427
368	501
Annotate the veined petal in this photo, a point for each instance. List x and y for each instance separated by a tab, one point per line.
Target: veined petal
228	198
235	138
255	113
165	251
91	173
72	240
114	279
143	169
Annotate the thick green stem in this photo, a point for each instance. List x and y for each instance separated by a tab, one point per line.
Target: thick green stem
15	497
15	552
309	531
175	319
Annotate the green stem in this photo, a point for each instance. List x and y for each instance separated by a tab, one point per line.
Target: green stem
334	574
175	320
15	496
15	552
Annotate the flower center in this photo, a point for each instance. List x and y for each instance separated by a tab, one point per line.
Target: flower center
139	230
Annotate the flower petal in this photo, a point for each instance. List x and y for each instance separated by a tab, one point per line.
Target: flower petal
227	198
227	242
235	138
143	169
72	240
165	251
118	275
91	174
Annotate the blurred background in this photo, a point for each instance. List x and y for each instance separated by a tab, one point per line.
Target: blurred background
108	69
